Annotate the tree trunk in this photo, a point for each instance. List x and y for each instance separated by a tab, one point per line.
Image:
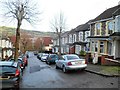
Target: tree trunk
59	35
17	42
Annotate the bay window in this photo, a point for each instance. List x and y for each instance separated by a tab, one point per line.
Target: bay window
80	36
101	47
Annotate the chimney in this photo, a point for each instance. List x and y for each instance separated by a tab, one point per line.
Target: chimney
119	3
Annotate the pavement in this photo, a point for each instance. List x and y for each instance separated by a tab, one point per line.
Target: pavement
98	69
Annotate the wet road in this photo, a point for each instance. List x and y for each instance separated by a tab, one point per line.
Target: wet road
40	75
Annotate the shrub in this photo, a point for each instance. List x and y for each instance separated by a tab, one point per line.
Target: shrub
82	53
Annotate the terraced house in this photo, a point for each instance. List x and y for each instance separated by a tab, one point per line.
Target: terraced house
105	35
82	43
6	48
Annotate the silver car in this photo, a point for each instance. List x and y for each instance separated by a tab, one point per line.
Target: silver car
44	57
70	62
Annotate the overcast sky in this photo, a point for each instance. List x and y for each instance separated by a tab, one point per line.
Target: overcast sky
76	12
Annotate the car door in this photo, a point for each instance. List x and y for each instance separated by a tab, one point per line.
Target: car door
61	61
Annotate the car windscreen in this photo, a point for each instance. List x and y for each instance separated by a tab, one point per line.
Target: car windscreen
53	56
45	55
72	57
7	69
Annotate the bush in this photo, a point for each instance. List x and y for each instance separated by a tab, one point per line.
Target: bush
82	53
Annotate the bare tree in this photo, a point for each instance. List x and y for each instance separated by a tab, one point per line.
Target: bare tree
20	10
25	38
39	45
58	24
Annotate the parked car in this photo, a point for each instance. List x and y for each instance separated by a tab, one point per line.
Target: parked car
39	55
21	63
71	62
44	57
51	58
10	74
35	52
27	54
24	58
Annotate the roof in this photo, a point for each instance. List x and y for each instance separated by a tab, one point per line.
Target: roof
115	34
13	39
64	34
84	27
109	13
79	43
72	31
47	40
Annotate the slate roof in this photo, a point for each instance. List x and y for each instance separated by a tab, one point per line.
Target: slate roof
109	13
64	34
115	34
83	27
71	31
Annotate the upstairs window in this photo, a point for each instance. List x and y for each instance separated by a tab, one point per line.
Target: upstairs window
80	36
98	29
87	33
74	38
110	27
63	40
70	38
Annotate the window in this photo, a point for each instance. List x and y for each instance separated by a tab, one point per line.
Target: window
63	40
96	46
74	38
101	47
98	29
92	46
86	35
80	36
70	38
109	48
72	57
110	27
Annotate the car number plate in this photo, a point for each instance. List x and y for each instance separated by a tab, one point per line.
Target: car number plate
78	62
2	78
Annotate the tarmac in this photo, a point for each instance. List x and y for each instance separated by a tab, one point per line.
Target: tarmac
97	69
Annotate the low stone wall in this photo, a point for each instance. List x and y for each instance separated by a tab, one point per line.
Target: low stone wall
111	62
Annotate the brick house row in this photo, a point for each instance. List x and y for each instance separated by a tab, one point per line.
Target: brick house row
100	36
105	35
73	41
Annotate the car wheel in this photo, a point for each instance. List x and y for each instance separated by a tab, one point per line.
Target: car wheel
57	67
16	87
83	69
64	69
48	62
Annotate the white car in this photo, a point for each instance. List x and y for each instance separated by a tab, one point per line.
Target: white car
71	62
44	57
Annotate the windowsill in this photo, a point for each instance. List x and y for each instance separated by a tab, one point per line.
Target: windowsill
103	54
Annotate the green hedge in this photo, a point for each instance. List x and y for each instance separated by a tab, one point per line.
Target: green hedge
82	53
